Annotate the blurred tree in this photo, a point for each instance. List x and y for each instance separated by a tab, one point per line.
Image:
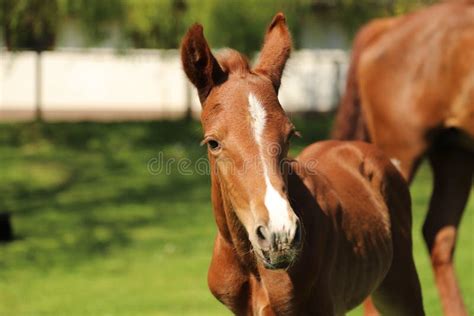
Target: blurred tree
404	6
162	23
96	18
241	24
29	24
352	14
154	23
142	23
32	25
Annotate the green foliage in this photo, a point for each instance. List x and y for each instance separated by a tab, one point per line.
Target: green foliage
96	17
154	23
33	24
97	234
29	24
352	14
404	6
162	23
241	24
141	23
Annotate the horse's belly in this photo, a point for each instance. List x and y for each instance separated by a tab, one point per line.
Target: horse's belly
358	273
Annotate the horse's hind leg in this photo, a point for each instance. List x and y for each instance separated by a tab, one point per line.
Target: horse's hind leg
453	170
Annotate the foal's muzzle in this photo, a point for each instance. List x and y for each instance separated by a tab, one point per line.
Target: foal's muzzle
279	249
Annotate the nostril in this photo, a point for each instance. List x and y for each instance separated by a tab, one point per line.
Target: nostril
263	237
298	234
261	233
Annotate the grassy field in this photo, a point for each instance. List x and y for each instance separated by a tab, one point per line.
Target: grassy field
100	233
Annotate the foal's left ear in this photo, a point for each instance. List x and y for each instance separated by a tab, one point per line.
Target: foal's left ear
199	64
275	51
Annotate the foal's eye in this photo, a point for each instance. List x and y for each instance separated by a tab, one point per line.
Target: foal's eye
294	132
213	145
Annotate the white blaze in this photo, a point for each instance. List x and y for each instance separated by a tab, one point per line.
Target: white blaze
277	206
258	114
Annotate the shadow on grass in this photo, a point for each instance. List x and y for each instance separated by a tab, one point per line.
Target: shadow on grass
107	193
93	136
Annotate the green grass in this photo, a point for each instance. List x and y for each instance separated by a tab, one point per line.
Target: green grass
98	234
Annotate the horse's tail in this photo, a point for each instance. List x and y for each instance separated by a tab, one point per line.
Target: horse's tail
350	122
349	114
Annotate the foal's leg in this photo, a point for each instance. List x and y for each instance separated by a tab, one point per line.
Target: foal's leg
453	170
400	292
406	156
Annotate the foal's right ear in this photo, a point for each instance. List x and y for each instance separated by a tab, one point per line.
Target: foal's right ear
199	64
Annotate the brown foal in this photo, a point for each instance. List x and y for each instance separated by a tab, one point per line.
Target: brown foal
410	91
311	236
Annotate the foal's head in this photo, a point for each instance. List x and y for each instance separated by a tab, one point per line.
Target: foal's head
247	134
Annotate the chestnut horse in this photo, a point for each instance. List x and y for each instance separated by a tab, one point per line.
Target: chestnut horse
311	236
410	91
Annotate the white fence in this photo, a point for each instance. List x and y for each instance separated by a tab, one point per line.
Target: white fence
101	84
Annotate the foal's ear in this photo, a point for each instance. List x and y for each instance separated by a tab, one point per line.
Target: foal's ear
199	64
275	51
